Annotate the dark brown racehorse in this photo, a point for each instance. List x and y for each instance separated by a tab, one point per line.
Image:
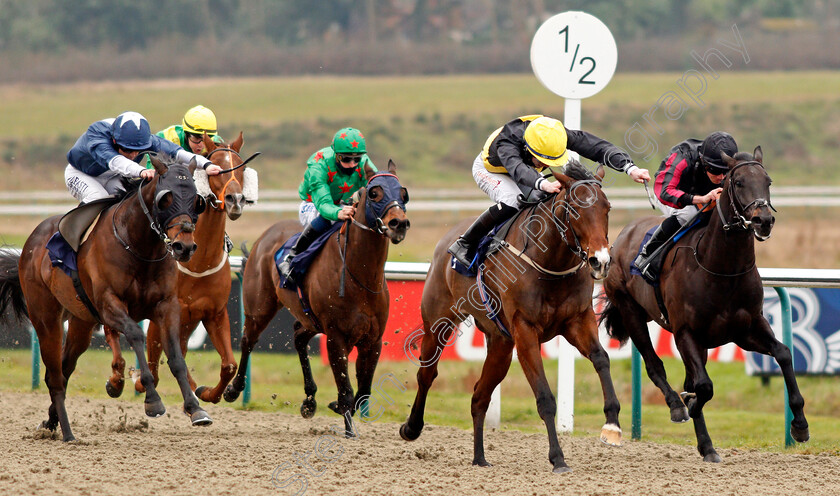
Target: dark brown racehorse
127	270
712	294
204	281
350	310
540	294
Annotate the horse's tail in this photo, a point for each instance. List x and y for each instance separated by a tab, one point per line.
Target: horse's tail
11	292
610	316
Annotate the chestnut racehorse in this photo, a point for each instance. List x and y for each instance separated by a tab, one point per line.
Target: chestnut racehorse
127	270
538	289
712	295
351	311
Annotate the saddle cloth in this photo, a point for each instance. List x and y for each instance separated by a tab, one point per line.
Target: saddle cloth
304	259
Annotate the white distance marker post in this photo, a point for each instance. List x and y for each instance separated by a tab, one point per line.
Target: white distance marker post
574	55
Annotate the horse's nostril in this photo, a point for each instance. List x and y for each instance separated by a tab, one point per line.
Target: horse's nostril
393	224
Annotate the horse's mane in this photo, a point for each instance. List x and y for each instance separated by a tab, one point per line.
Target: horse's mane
577	171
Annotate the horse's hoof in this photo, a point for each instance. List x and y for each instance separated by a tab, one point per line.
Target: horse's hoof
800	435
199	392
562	469
46	425
155	409
114	391
409	434
231	394
611	435
688	399
334	407
482	463
712	458
307	408
679	415
69	438
200	418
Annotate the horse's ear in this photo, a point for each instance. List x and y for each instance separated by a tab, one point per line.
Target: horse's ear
563	179
158	164
237	143
600	172
758	155
392	167
192	166
209	144
369	172
729	161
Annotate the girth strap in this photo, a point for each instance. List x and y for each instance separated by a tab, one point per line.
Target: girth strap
83	297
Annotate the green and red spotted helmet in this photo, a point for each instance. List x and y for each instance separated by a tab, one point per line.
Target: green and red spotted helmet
348	140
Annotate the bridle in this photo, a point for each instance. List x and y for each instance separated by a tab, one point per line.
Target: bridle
735	205
214	200
379	226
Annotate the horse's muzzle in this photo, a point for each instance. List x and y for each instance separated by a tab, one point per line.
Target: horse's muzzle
397	229
233	205
599	264
182	252
762	225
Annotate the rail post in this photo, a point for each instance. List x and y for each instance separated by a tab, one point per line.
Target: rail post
787	340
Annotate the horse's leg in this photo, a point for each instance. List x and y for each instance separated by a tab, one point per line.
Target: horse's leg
134	334
218	328
528	348
50	334
302	337
177	366
115	384
337	352
78	338
434	339
582	333
698	390
635	321
255	323
154	348
761	340
496	366
366	363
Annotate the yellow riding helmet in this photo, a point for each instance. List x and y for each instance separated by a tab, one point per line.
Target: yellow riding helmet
200	120
546	138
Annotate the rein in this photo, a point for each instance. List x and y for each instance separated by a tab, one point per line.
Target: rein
152	224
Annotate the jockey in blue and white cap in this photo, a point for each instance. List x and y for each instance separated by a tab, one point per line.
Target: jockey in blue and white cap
110	150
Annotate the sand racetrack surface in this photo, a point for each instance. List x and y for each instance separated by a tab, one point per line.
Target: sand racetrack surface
120	451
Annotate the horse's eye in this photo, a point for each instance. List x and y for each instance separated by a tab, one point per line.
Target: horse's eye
375	193
738	184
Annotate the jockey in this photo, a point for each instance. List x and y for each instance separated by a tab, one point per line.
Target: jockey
189	135
513	160
109	151
332	175
687	179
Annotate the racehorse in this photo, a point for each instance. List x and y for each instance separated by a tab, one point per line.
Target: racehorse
127	272
204	281
350	311
711	292
539	290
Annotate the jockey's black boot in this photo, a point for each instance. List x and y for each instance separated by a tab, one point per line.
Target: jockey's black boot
306	238
463	249
647	264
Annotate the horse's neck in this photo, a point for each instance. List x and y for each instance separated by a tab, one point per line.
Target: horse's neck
133	225
209	239
726	252
547	247
366	250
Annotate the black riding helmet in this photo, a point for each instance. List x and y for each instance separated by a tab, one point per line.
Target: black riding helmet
711	148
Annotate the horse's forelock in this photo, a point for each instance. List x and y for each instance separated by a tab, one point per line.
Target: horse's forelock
743	156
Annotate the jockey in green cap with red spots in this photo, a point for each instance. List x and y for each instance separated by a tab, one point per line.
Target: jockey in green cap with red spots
332	175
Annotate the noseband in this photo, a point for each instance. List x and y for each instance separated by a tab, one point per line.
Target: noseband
371	215
740	222
566	220
212	199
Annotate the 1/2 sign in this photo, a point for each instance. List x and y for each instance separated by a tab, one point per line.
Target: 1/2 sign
574	55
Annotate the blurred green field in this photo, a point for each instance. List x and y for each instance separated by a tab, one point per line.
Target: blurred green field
743	414
431	126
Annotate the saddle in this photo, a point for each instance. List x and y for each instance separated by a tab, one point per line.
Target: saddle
488	245
76	224
657	258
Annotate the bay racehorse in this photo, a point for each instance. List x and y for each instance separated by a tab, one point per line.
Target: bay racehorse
711	292
350	310
204	280
127	271
539	289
